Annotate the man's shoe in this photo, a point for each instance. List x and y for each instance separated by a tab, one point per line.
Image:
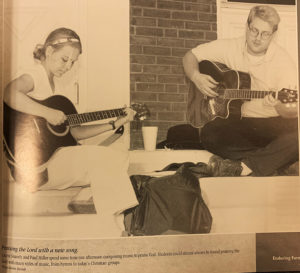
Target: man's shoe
217	166
291	170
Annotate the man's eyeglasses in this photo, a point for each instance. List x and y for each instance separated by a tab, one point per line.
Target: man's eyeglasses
265	35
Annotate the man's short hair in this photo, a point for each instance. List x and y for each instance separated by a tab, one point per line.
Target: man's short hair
265	13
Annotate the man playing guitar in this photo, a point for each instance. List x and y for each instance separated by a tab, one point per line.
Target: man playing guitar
263	139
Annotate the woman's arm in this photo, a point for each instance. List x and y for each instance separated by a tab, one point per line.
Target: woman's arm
83	132
15	96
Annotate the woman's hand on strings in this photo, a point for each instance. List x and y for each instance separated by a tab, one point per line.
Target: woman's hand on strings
55	117
130	114
128	117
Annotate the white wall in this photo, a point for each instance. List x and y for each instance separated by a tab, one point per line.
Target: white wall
232	19
107	53
106	83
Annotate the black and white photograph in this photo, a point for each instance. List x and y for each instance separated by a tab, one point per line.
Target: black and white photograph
213	81
143	121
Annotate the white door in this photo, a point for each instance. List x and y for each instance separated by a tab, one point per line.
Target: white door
28	23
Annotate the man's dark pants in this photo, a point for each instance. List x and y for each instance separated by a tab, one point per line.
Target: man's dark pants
265	145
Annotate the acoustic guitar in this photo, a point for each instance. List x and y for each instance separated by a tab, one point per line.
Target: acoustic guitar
233	85
30	140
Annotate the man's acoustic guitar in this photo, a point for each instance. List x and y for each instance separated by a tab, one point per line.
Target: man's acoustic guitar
233	85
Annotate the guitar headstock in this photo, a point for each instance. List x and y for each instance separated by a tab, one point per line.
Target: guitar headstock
288	95
142	111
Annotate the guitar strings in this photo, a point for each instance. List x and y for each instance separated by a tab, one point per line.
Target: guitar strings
77	119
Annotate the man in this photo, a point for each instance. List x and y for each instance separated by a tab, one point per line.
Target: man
264	139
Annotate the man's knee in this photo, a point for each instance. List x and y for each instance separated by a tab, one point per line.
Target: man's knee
209	136
290	142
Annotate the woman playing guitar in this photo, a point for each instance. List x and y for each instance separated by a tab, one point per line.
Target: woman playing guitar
103	168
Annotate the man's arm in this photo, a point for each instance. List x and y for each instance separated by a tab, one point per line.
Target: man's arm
287	78
190	64
287	110
204	83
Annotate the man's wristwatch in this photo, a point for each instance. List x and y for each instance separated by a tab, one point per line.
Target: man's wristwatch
112	123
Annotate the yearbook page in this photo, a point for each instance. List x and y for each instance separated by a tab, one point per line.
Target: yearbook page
155	136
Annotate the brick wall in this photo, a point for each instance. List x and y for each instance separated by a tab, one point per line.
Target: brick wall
161	33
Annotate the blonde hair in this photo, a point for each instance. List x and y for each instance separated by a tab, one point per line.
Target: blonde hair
58	38
265	13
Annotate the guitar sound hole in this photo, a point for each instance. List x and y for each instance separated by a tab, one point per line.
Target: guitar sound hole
59	128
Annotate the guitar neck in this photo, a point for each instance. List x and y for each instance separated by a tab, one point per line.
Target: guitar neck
77	119
244	94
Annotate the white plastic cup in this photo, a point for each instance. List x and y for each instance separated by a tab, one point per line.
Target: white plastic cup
149	137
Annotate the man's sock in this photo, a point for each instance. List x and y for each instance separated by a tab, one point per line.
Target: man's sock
246	170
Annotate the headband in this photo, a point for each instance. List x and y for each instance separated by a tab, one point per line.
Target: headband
65	40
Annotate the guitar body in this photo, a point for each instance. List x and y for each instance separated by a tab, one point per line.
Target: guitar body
30	140
202	109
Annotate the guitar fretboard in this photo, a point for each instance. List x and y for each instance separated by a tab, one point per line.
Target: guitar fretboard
77	119
244	94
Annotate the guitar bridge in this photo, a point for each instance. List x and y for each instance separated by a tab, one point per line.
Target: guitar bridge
211	103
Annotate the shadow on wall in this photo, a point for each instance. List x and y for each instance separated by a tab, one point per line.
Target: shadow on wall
161	32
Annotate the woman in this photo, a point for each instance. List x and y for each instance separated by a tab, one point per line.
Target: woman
103	168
